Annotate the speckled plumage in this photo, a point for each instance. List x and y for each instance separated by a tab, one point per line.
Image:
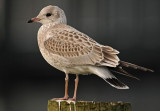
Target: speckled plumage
74	47
74	52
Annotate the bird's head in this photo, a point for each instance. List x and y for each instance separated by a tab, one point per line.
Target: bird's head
50	14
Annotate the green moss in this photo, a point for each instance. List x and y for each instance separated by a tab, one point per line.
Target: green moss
88	106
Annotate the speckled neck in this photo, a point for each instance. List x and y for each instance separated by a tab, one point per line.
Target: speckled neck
42	32
45	27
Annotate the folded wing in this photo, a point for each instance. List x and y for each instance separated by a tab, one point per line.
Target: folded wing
78	48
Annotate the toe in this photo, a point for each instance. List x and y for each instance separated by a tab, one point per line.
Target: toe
64	98
72	99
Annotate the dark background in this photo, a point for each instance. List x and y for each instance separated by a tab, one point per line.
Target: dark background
27	82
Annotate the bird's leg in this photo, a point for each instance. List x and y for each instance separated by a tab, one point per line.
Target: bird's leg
66	87
75	90
66	90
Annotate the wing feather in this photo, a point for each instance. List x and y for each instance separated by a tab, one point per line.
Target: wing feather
78	48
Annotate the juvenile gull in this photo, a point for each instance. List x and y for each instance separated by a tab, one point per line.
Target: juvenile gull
73	52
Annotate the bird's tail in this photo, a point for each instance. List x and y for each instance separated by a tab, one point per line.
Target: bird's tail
105	74
126	64
114	82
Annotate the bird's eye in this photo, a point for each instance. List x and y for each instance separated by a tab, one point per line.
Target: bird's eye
48	14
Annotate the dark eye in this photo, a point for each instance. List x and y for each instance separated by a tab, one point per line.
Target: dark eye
48	14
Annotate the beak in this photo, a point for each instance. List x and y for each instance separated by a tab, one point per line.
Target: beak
34	20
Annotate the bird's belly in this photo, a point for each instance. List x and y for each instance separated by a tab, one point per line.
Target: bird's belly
62	63
84	70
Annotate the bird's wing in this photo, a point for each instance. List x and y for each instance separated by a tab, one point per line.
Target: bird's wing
78	48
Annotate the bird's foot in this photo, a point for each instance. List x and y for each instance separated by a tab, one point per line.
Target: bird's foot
64	98
72	99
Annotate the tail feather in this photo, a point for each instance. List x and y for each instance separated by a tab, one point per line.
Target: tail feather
116	83
126	64
105	74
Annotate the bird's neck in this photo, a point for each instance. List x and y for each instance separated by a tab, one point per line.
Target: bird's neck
43	30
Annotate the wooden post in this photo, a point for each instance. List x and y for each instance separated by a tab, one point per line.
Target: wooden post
87	106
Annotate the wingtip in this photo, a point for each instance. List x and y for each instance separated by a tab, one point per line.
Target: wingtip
127	64
149	70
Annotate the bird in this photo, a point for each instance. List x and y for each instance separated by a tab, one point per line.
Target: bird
73	52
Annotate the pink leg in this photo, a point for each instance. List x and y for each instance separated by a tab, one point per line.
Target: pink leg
66	90
75	90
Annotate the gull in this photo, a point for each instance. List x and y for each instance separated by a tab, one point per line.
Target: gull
73	52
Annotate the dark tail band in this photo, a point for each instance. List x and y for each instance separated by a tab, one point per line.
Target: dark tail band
116	83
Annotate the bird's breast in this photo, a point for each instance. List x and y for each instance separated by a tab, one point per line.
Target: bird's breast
51	58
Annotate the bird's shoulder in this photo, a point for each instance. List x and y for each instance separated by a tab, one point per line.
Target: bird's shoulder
66	39
66	33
